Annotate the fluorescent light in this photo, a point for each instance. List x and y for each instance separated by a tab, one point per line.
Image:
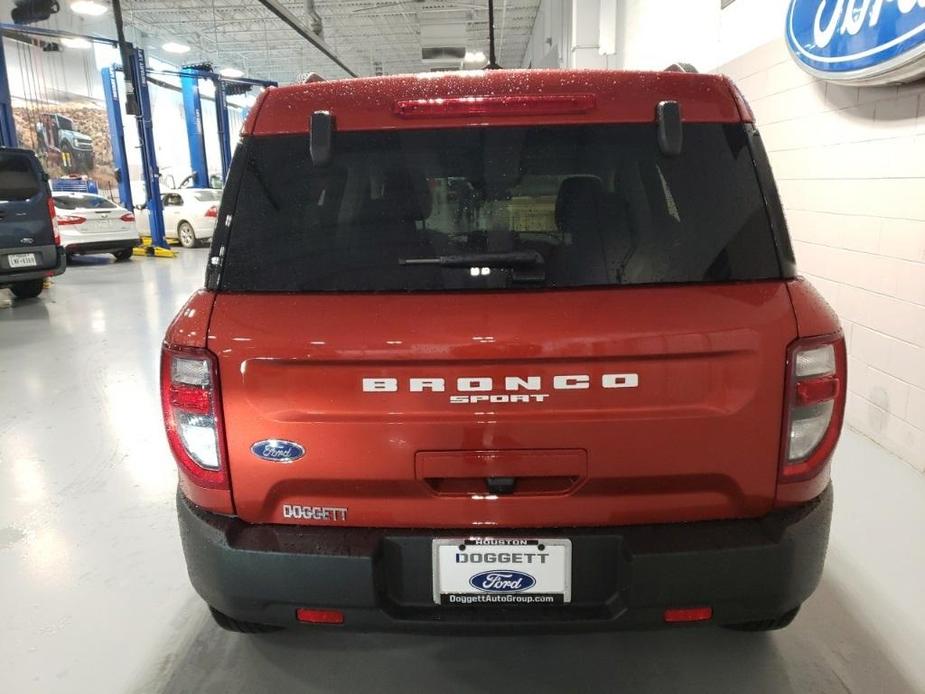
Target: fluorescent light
172	47
76	42
231	72
90	7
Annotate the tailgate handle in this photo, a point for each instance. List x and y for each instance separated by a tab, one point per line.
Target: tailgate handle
501	485
502	472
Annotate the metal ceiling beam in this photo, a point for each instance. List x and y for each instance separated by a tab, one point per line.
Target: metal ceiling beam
286	16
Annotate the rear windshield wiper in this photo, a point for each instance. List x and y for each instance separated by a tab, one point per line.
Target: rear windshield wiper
512	259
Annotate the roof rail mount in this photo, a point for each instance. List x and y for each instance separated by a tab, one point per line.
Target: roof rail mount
681	67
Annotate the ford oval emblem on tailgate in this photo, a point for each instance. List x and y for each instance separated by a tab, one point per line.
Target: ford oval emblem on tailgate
502	581
277	450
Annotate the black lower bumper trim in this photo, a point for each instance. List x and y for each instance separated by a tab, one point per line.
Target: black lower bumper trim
622	577
102	246
50	254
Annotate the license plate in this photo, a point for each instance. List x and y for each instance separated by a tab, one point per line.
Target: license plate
502	571
22	260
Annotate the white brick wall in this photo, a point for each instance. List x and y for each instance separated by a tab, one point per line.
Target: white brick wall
850	163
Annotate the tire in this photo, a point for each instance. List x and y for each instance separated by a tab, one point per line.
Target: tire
230	624
124	254
27	290
67	155
187	235
773	624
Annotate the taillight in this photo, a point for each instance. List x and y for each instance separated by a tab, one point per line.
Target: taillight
516	105
192	415
127	217
70	219
212	211
816	385
54	221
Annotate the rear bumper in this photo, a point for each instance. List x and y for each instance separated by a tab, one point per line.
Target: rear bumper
53	259
105	245
621	577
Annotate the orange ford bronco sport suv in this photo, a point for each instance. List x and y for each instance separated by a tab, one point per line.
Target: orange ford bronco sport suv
503	349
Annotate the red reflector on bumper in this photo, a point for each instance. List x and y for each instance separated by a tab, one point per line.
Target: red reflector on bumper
308	616
688	614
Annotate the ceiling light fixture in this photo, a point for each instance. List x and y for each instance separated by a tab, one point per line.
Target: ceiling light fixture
173	47
89	7
231	72
76	42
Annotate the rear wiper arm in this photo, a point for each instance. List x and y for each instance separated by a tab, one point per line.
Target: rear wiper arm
512	259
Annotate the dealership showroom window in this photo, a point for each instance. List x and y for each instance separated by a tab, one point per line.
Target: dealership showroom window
483	345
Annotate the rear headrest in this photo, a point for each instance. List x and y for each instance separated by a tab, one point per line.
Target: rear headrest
408	192
578	194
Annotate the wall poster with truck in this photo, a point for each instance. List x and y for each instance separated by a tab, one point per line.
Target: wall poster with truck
59	110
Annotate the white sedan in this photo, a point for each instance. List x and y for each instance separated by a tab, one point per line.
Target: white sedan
90	223
190	215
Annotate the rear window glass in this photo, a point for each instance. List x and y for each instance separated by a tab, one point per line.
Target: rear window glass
498	208
18	178
208	195
79	201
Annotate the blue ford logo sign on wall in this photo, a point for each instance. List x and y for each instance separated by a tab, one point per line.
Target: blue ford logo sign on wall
863	42
277	450
502	581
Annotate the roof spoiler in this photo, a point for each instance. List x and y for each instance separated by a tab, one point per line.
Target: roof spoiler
321	138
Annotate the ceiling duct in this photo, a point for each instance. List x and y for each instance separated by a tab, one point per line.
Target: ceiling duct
454	53
443	38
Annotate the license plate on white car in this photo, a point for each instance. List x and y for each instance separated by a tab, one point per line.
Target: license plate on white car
502	571
21	260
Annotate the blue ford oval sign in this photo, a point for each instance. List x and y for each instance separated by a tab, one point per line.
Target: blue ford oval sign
277	450
502	581
859	41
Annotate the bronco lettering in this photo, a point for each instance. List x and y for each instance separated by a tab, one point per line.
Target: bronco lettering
511	384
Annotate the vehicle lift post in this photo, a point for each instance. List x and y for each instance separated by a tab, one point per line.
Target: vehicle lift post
192	111
224	136
117	136
221	111
139	68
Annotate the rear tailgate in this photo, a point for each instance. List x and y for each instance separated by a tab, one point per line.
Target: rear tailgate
104	221
25	221
696	438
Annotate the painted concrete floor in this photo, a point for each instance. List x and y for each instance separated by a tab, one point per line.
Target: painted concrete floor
94	594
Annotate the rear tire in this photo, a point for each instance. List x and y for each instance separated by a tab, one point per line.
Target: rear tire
773	624
241	627
186	235
124	254
27	290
